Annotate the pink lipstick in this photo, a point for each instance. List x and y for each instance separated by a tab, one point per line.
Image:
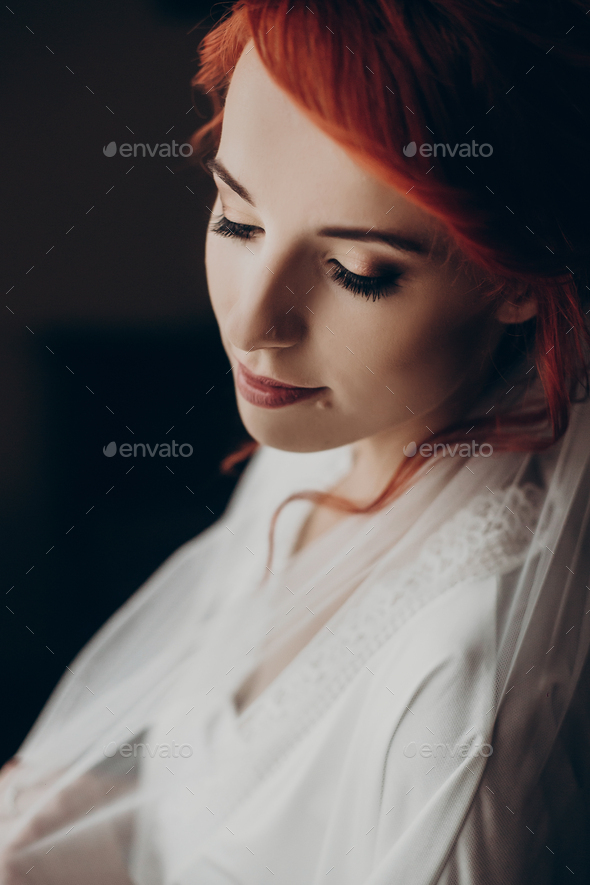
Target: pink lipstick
268	392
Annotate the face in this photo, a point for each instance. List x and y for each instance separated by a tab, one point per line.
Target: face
340	322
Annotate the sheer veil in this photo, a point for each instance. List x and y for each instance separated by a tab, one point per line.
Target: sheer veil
169	662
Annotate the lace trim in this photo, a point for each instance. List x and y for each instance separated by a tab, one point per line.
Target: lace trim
480	540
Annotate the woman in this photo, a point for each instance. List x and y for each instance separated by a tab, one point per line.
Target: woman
389	687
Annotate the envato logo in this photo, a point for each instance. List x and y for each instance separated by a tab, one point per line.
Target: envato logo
434	150
164	450
161	150
428	751
165	751
463	450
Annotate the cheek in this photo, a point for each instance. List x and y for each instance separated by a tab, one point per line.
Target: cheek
434	328
420	348
389	337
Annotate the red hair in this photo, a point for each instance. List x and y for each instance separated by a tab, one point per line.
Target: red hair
380	74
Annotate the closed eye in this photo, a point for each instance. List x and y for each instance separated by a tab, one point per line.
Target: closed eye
374	287
369	287
226	228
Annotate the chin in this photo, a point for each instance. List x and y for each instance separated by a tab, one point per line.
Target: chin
286	439
294	429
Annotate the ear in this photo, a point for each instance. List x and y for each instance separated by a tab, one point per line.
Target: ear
509	312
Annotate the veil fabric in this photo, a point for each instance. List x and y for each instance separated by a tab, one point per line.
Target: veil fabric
432	726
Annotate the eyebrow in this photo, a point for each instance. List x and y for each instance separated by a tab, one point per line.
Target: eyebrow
217	167
390	238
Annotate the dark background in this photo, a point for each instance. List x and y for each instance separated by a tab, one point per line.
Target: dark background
107	333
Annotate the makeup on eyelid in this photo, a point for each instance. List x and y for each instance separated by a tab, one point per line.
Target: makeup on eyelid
374	286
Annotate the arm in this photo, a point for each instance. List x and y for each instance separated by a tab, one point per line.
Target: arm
40	854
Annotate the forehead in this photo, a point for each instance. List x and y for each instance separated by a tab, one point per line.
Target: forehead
271	147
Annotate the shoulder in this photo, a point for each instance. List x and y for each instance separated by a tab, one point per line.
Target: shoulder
453	633
438	683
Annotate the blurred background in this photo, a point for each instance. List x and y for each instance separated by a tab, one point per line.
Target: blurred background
106	333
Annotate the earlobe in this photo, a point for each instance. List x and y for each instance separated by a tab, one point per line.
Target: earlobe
509	312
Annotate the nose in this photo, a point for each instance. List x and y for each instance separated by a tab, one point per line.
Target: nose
266	312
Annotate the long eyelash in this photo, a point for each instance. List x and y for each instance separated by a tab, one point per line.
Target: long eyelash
369	287
226	228
375	287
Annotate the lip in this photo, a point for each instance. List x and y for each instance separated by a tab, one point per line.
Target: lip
270	393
